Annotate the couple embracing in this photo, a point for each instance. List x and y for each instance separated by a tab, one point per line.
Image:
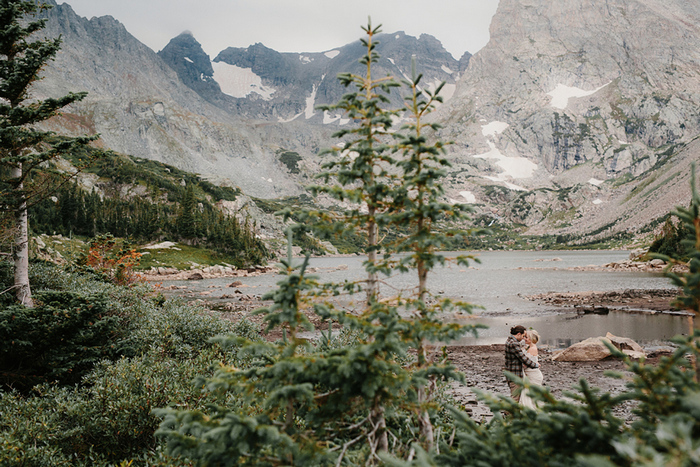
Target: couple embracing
523	362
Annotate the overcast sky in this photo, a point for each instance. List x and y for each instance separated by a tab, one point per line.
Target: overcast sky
295	25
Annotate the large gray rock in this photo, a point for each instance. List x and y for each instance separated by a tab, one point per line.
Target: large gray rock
594	349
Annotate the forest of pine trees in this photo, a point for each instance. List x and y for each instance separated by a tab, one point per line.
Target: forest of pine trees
75	212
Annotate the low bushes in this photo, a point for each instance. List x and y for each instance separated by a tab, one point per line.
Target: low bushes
105	356
58	340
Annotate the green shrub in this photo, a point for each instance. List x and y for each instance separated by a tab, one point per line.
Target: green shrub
180	331
290	159
109	419
58	340
114	416
29	427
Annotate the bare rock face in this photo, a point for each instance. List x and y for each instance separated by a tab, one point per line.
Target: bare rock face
578	116
140	107
570	99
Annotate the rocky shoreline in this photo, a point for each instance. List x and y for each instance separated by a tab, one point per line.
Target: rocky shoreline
630	300
156	274
210	272
481	364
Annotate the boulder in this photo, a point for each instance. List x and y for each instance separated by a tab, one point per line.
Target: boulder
195	277
590	350
235	284
625	344
593	349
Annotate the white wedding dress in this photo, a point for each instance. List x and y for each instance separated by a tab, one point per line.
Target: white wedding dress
534	375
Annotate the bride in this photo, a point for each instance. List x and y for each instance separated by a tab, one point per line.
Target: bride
534	375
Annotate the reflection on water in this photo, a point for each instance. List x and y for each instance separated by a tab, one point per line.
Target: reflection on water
562	330
500	284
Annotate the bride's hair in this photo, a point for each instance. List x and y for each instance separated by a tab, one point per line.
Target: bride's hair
534	336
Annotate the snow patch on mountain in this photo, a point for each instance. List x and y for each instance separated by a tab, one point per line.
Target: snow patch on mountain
310	103
327	119
494	128
513	167
239	82
469	196
287	120
447	90
510	185
562	93
595	182
447	70
332	53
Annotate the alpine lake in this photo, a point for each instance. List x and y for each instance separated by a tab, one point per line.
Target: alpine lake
499	285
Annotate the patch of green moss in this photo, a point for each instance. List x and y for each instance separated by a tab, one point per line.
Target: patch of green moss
290	159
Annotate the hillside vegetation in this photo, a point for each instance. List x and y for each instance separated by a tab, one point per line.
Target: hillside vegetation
146	201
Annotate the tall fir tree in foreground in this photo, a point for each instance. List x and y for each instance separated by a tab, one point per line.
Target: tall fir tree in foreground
418	209
347	400
22	146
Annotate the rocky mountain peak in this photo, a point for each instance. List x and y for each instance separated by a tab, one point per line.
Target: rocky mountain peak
564	122
576	95
186	56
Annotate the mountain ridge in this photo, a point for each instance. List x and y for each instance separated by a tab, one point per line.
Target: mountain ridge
556	122
575	96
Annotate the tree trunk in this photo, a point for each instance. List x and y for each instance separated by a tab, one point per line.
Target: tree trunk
426	426
21	247
372	241
424	392
694	325
381	437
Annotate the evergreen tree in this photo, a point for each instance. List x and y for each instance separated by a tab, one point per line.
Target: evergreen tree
22	146
417	209
689	282
187	219
361	162
335	402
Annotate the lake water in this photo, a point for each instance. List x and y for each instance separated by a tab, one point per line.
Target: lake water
500	283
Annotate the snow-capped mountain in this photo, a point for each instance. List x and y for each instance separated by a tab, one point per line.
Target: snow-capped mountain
258	82
140	106
577	116
573	106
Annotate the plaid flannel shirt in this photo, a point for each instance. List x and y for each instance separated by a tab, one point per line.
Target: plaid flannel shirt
516	357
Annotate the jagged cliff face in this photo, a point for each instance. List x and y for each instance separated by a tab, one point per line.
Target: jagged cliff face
578	95
258	82
229	119
139	106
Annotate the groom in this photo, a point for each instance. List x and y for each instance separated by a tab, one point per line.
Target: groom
516	358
